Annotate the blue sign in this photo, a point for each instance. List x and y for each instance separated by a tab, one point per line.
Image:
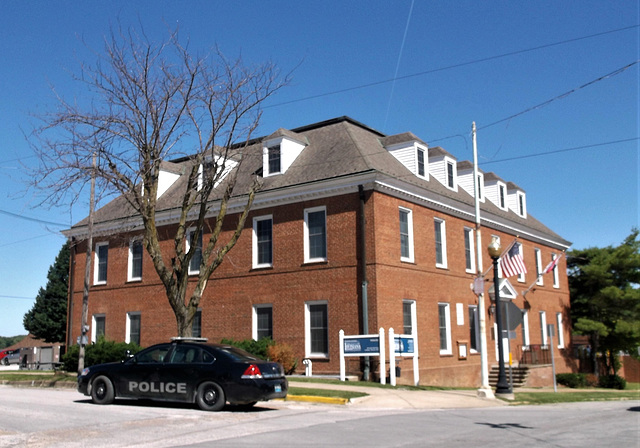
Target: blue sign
361	346
403	344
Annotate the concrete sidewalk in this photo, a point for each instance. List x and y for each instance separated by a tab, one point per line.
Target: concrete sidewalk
398	398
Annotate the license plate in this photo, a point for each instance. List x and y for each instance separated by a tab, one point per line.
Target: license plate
278	388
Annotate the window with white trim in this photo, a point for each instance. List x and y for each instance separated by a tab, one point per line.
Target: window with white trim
521	275
480	187
316	323
556	276
469	253
441	243
101	258
502	192
560	330
263	241
98	326
539	280
133	328
526	341
474	329
262	321
451	176
196	259
406	235
444	324
196	324
315	234
543	327
408	316
420	162
274	158
135	260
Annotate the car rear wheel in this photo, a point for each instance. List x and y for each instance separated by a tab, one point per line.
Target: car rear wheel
102	390
210	397
6	361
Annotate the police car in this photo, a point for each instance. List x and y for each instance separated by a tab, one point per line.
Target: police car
187	370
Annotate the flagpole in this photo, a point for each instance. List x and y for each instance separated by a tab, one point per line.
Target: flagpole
484	390
550	267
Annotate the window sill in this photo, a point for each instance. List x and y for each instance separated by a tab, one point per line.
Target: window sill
134	280
264	267
312	262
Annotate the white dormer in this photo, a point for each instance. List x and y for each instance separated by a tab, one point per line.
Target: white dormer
443	167
169	173
223	166
516	200
465	179
495	189
410	151
280	150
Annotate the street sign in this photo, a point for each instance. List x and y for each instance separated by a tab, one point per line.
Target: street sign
512	316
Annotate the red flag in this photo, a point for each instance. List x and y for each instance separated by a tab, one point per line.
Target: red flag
512	262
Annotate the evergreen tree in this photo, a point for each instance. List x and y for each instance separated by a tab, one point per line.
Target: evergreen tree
605	298
47	320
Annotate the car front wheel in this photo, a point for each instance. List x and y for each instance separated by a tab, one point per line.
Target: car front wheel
102	390
210	396
6	361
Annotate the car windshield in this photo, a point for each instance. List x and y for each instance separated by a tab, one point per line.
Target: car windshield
237	354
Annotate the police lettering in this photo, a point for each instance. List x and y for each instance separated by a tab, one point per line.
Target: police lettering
170	388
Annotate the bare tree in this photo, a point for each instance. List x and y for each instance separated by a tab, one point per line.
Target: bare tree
147	103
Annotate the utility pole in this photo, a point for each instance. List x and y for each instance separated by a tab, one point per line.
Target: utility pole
484	390
87	270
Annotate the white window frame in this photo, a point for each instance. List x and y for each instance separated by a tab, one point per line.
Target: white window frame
521	204
539	280
255	262
190	233
414	321
447	315
543	327
94	326
521	275
307	249
443	236
421	150
307	330
469	236
130	276
556	276
472	311
254	323
502	196
127	337
480	187
268	162
409	213
450	178
560	330
96	264
526	340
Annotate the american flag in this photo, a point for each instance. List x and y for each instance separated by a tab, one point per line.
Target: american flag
512	262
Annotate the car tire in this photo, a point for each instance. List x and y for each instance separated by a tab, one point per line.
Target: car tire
102	390
210	396
5	361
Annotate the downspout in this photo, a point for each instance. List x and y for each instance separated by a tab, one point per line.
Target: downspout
363	273
72	269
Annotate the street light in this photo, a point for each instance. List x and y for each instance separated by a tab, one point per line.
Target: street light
503	387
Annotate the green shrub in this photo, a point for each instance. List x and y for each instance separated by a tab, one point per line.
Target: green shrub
572	380
612	382
257	348
101	352
283	354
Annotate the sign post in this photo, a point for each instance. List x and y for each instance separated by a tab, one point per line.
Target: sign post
551	330
402	345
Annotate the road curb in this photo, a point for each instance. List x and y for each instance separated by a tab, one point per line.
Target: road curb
316	399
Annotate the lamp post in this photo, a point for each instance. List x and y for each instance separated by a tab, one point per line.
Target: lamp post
503	387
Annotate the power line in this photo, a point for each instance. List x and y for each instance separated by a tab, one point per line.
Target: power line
557	151
449	67
27	218
17	297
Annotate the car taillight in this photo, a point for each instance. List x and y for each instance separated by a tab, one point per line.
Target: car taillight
253	371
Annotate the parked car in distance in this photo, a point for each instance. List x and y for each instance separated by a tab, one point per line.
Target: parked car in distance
187	370
10	357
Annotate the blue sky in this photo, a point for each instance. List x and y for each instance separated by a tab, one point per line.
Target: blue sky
454	63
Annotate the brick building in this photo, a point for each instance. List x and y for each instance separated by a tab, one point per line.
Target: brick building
341	203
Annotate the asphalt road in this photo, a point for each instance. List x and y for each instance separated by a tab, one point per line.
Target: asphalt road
37	417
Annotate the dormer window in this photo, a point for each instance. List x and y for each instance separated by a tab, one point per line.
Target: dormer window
274	159
521	204
420	155
280	150
479	186
501	190
450	175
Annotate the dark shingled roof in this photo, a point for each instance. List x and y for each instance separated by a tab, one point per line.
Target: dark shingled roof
336	148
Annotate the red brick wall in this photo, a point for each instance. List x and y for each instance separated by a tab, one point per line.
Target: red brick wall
235	287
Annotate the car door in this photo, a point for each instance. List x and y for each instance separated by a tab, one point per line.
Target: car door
182	372
141	376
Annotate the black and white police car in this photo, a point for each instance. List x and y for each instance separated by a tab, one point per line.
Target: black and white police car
187	370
